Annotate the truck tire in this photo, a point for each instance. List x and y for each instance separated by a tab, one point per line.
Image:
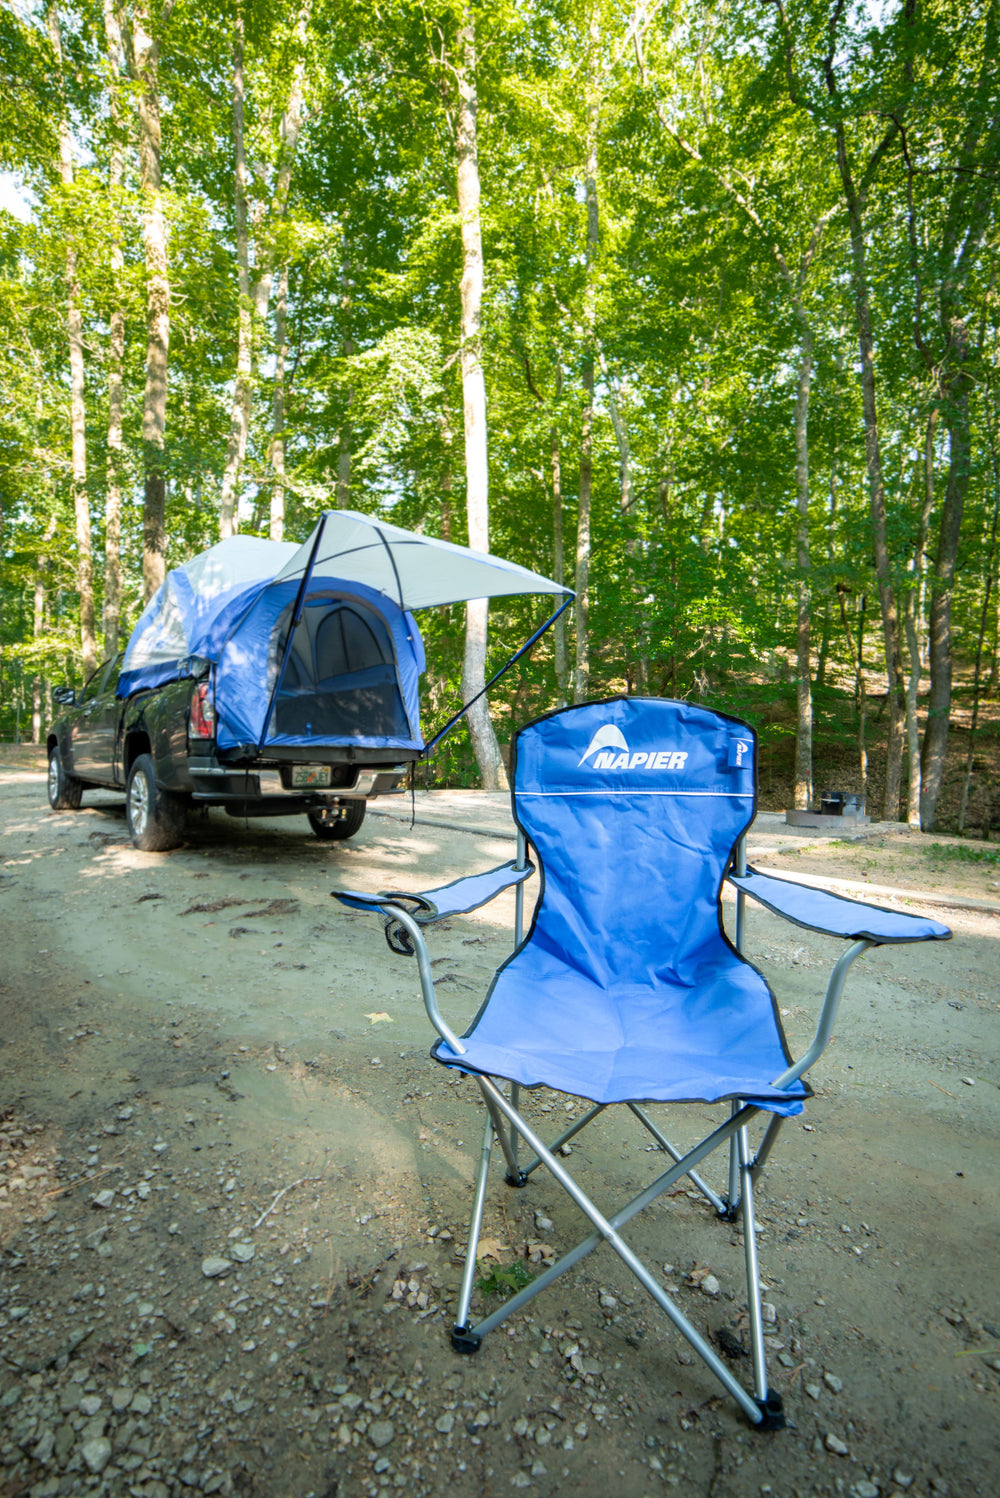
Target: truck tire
155	817
338	822
65	791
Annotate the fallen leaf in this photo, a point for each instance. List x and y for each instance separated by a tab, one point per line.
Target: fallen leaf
491	1248
379	1017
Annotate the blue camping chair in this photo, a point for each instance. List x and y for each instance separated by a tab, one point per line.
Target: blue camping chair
626	988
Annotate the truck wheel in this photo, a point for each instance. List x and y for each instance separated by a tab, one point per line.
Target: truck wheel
338	822
65	791
155	817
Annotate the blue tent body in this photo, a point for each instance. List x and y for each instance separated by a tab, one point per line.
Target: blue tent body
313	644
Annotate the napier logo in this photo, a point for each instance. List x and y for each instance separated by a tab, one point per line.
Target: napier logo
610	749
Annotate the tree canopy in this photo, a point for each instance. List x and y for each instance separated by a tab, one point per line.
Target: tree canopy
737	335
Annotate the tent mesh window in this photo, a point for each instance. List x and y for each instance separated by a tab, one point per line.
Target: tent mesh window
340	680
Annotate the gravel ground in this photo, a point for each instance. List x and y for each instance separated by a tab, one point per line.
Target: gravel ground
233	1196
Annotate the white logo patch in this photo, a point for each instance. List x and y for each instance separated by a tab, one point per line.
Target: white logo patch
605	738
609	738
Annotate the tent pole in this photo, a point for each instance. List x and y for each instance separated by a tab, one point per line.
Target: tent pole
497	675
296	616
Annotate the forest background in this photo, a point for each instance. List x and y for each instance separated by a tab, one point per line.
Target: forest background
692	306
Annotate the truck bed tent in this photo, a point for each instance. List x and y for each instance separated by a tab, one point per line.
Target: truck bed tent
313	644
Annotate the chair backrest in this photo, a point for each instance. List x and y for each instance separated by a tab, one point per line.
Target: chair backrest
633	806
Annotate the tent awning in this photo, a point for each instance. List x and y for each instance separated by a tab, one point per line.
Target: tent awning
417	572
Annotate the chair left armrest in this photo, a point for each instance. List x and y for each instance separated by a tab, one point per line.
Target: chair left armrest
836	915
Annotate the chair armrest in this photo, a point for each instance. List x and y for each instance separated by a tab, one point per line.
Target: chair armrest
456	898
836	915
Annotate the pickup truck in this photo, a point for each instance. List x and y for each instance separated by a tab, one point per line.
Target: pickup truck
159	747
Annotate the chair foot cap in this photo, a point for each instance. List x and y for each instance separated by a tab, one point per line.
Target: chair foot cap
772	1413
519	1180
464	1339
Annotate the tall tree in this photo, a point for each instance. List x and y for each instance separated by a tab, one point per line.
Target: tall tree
77	382
142	52
477	478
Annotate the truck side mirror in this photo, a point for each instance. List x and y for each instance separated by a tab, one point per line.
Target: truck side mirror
64	695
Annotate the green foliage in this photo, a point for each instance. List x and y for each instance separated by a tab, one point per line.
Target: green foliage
959	853
715	146
504	1281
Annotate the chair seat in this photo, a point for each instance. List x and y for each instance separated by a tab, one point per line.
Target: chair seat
546	1023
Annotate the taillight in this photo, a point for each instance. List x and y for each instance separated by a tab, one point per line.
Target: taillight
202	720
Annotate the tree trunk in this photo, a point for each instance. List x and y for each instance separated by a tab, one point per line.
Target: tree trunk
484	741
803	789
346	435
857	654
977	675
77	408
142	51
40	687
447	479
276	529
581	676
116	351
239	420
955	391
912	613
558	556
876	490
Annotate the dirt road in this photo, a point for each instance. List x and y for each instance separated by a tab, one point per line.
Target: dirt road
234	1193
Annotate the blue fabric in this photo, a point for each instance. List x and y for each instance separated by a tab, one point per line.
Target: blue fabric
234	628
241	642
626	986
463	895
837	915
456	898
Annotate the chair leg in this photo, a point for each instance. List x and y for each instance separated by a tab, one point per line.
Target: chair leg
564	1138
710	1196
462	1338
732	1210
734	1206
752	1407
768	1403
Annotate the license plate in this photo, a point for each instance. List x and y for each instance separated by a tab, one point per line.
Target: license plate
310	775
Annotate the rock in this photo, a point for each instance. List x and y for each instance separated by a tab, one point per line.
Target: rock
96	1453
45	1446
89	1405
140	1404
121	1399
215	1266
104	1198
381	1433
865	1489
243	1252
835	1444
445	1423
833	1382
710	1285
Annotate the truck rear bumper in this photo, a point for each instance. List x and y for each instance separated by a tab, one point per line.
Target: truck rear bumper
219	784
